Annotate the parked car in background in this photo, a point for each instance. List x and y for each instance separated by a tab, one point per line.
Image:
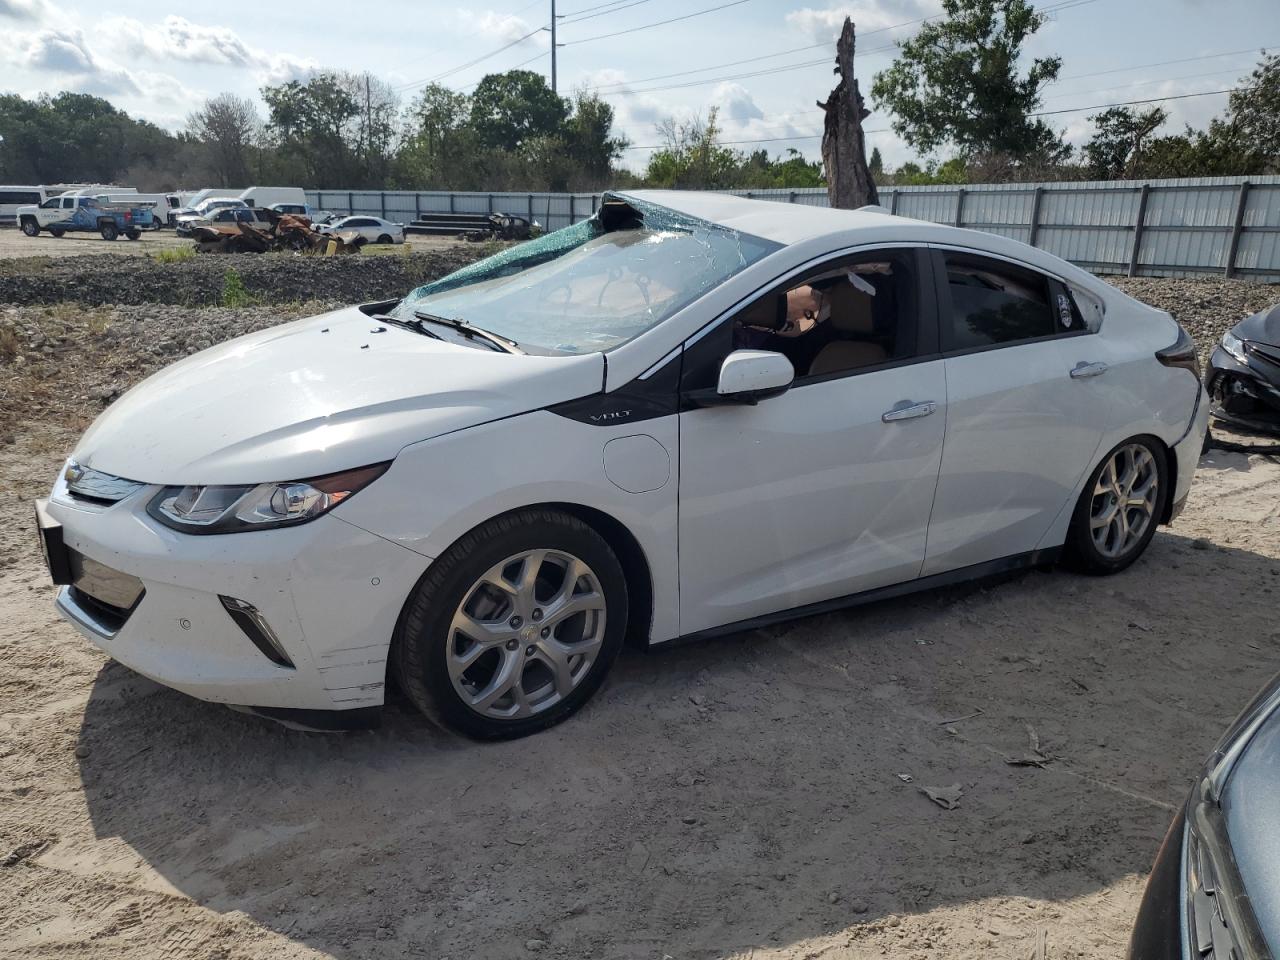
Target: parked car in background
297	210
364	228
157	203
200	214
1214	892
690	415
197	202
266	196
76	213
1243	379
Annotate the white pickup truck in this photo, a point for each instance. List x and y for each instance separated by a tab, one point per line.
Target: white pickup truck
74	212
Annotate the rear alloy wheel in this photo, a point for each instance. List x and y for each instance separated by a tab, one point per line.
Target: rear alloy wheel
514	627
109	231
384	239
133	233
1120	508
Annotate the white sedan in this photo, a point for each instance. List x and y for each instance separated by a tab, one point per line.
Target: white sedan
366	229
693	414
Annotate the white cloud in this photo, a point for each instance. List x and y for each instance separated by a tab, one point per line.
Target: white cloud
27	11
634	111
736	105
824	25
498	27
178	39
65	52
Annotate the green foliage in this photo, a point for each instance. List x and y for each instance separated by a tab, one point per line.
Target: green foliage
510	109
338	129
694	158
234	292
957	83
1116	148
175	255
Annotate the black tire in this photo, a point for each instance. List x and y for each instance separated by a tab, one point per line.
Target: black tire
1081	552
419	648
133	233
30	228
109	231
384	238
57	231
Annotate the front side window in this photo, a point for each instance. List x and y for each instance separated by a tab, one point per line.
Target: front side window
861	313
593	286
993	303
50	204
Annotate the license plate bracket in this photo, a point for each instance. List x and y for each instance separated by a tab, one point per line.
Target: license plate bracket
56	557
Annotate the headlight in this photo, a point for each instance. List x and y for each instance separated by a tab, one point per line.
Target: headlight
1234	346
263	506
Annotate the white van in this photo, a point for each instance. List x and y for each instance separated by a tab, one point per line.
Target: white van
266	196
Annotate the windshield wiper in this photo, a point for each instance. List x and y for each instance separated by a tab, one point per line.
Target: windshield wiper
416	326
471	331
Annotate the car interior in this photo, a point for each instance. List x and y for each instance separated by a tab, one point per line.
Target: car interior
840	320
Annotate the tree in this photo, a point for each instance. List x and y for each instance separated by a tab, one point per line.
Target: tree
1115	151
844	153
692	156
589	141
338	128
509	108
876	165
956	82
229	127
1254	112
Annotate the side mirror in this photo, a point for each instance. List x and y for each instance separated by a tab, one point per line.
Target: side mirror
748	376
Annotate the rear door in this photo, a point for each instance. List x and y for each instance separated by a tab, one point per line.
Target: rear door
1023	424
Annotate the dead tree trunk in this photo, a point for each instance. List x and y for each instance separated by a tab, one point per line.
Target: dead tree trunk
844	151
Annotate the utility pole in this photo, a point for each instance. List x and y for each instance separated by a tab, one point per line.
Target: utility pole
553	46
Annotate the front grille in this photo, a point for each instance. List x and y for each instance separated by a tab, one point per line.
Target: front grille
94	486
1267	353
107	617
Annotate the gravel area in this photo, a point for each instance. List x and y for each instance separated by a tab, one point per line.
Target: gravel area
269	278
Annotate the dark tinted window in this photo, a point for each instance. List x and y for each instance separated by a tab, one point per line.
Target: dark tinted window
993	302
18	196
859	313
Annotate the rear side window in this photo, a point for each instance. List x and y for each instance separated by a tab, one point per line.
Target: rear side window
993	303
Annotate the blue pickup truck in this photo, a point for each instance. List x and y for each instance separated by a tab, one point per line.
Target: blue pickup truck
70	213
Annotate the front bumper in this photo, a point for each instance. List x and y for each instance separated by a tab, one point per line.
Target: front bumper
329	591
1245	394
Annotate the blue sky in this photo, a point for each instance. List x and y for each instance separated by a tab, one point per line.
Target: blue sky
160	65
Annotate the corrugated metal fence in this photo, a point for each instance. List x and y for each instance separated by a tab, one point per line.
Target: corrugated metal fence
1167	228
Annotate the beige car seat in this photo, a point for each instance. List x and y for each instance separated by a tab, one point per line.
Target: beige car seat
850	316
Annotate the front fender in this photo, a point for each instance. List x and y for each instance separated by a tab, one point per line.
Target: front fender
439	489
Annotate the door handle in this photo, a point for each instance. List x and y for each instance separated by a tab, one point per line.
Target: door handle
906	410
1083	370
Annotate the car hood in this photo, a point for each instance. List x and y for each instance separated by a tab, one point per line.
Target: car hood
1262	327
316	396
1253	823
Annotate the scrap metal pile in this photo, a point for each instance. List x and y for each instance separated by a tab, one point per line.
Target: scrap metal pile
287	233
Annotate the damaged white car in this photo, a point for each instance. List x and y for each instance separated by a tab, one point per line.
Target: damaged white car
689	415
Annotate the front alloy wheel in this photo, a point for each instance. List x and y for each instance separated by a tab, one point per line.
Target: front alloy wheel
1120	507
526	634
514	627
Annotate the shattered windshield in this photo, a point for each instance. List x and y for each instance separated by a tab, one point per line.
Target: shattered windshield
595	285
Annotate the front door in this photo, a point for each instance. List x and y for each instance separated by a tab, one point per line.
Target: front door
825	490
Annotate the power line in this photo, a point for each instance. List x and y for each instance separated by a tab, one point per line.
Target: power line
1166	63
522	63
567	18
1133	103
657	23
598	6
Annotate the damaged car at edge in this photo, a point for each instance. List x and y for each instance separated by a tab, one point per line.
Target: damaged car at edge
690	415
1243	378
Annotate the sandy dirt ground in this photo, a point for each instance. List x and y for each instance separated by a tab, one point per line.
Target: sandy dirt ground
758	796
14	243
